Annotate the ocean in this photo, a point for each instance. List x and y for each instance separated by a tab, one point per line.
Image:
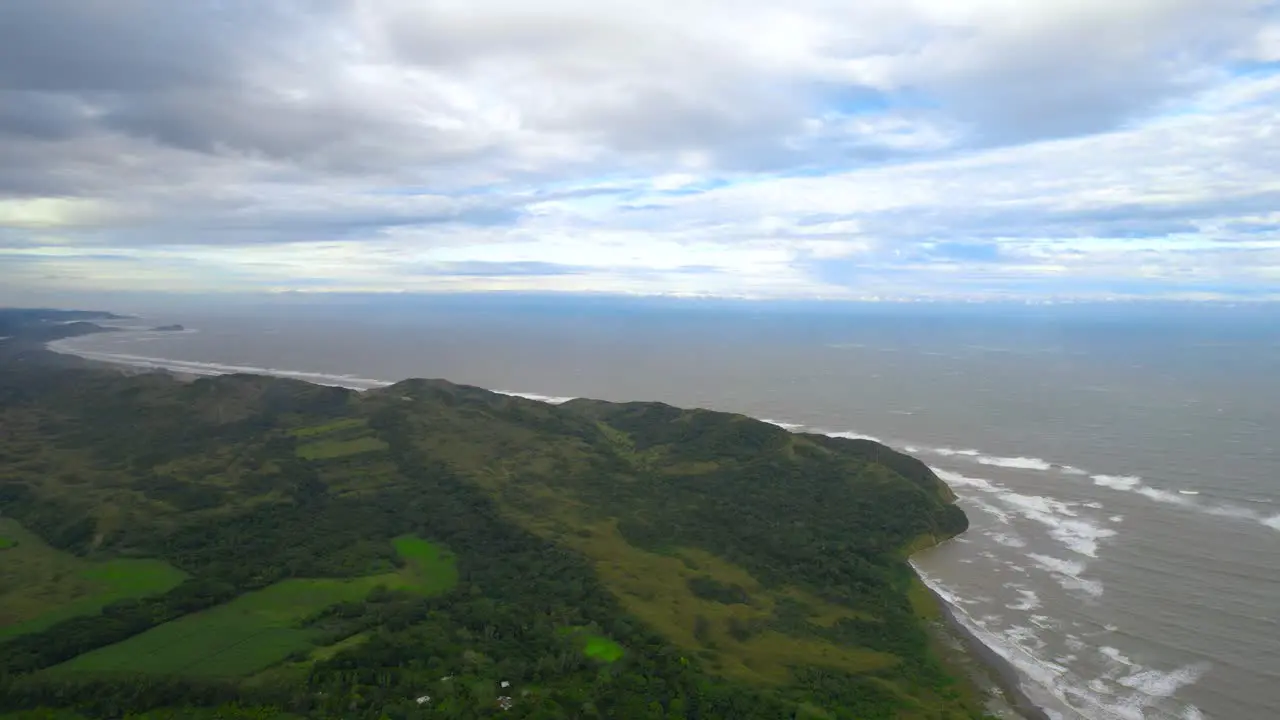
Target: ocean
1120	463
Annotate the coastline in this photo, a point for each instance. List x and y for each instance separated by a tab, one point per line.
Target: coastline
989	673
999	675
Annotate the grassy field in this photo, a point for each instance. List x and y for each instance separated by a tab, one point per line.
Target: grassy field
330	449
41	586
430	568
247	634
261	628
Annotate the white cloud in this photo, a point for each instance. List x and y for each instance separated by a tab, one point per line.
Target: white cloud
816	148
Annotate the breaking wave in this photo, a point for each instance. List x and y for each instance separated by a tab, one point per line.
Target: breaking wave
1126	690
1078	533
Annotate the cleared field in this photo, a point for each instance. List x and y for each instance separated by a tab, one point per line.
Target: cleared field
245	635
261	628
41	586
329	449
597	647
430	568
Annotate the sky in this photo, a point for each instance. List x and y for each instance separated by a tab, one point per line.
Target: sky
869	149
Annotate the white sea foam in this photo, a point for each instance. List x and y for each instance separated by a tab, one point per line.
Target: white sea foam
791	427
1068	573
1157	684
1008	540
1187	499
850	435
1028	600
949	452
1114	655
1125	695
955	479
1017	463
1044	622
995	512
1117	482
1163	496
1080	535
551	399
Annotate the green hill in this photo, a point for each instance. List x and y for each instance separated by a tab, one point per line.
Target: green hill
343	554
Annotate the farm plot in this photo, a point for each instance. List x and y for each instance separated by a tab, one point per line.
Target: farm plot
261	628
41	586
245	635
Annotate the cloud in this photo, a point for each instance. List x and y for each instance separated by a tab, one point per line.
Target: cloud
935	147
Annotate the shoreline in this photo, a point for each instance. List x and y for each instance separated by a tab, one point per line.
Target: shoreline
1004	681
1004	678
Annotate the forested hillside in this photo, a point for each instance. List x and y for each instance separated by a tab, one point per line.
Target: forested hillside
278	549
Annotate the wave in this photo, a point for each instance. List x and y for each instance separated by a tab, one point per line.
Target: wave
1117	482
1008	540
1028	600
790	427
1068	573
849	435
1123	694
1077	533
951	452
1017	463
550	399
1188	499
1124	483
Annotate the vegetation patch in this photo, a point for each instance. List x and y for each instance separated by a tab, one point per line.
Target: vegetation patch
739	640
430	569
594	645
6	543
602	648
336	426
261	628
330	449
250	633
41	586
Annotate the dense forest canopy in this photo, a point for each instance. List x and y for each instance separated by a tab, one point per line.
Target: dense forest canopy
245	546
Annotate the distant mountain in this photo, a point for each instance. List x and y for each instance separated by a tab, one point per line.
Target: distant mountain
438	550
42	325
